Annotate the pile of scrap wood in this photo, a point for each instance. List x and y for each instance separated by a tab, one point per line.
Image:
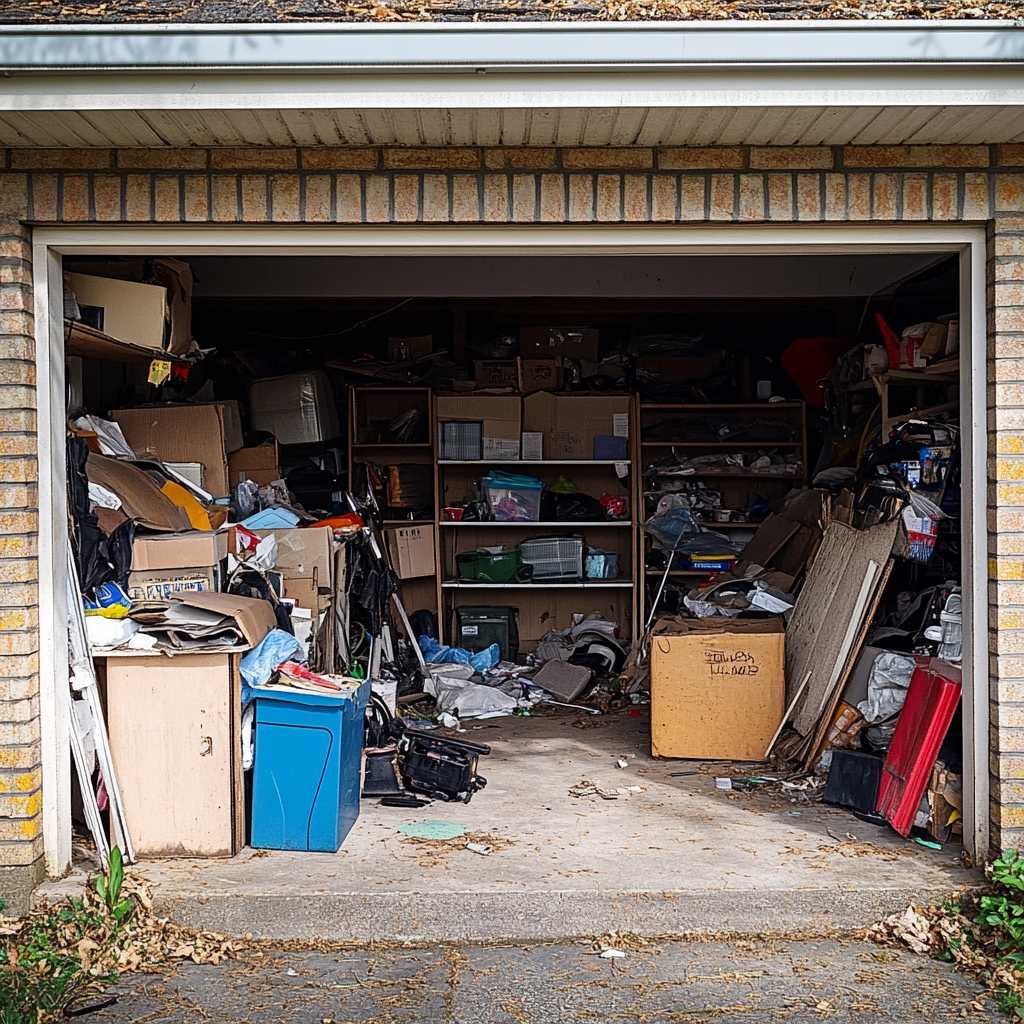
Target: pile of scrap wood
827	627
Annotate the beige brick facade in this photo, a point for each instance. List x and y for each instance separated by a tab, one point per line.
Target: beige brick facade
980	184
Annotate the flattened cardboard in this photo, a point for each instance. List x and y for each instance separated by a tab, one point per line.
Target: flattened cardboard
261	464
717	687
184	433
126	310
254	618
141	497
178	550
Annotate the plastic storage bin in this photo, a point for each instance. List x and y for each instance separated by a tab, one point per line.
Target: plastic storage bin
307	761
462	440
489	565
513	498
553	557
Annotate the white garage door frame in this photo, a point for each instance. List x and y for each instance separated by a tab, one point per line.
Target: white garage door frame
50	244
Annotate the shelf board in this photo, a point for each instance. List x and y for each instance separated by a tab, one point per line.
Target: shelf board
698	406
605	522
722	444
392	444
408	522
564	585
498	463
731	526
741	474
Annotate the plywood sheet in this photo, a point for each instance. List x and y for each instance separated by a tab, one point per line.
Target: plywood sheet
828	601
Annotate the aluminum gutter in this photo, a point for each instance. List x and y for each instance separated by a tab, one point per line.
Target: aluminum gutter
528	46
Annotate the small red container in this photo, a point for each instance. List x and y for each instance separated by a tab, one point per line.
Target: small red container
452	514
932	701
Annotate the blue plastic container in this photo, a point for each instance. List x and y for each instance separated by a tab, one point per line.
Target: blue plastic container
306	768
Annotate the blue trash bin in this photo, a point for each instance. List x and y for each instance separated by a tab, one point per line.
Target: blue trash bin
306	767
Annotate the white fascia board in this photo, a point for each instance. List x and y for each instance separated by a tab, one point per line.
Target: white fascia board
526	45
493	45
746	87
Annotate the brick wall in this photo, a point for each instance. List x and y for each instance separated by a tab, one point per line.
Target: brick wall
982	184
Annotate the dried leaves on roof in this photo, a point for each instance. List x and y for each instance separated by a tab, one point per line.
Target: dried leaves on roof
252	11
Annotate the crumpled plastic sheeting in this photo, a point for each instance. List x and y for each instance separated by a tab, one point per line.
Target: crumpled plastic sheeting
438	654
467	699
887	686
260	663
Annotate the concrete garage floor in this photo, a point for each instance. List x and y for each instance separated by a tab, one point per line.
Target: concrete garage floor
677	857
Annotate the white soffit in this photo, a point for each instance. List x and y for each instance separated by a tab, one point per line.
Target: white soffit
570	126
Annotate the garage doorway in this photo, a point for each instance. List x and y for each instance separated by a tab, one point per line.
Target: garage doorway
52	244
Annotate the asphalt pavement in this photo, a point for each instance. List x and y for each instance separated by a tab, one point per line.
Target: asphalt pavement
675	982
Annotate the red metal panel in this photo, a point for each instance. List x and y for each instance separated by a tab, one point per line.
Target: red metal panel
931	703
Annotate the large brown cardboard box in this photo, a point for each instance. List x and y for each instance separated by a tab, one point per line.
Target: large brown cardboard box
412	550
305	552
501	415
126	310
718	687
261	464
495	373
202	433
178	550
539	374
570	423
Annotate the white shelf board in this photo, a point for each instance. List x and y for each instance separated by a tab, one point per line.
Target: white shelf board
498	463
516	525
567	584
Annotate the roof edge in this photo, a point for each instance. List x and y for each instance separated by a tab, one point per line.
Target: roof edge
475	47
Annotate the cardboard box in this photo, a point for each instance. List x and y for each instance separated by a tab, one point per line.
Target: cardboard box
501	415
495	373
185	433
178	550
126	310
404	348
539	374
261	464
174	275
161	584
305	553
718	687
297	408
412	551
570	423
579	343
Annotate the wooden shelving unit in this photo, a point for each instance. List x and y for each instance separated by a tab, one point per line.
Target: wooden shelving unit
548	605
369	410
684	423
